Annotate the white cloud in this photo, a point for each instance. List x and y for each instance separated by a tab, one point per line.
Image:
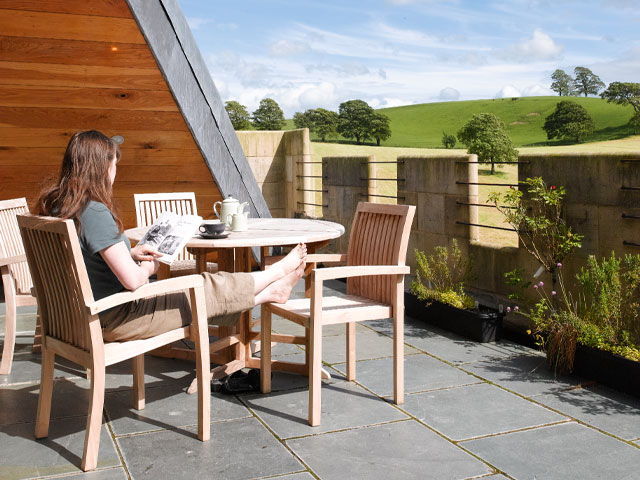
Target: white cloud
508	91
348	69
539	47
386	102
448	94
288	48
536	91
196	22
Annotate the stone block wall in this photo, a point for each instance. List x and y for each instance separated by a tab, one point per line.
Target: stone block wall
281	163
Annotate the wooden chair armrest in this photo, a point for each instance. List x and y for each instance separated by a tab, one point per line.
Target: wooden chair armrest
11	260
322	274
311	258
157	288
326	257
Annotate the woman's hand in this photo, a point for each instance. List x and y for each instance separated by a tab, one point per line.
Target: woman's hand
144	253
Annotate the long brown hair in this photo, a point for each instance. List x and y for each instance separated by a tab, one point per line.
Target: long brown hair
84	176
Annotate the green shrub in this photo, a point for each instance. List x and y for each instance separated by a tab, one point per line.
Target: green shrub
442	276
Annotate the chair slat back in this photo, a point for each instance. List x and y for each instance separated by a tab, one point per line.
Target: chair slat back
150	205
379	236
60	277
11	242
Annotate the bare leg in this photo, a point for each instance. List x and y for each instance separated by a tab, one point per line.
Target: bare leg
280	290
278	270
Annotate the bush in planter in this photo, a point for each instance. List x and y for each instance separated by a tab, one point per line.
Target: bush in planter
536	215
442	275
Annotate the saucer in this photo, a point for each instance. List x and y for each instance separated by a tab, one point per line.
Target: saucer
214	236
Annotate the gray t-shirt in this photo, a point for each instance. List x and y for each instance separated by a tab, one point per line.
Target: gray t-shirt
98	230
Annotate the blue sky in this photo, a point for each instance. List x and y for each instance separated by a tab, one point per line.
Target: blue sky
309	54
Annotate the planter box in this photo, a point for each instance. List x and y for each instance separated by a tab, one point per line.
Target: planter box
608	369
482	325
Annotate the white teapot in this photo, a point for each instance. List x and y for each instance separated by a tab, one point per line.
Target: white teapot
228	207
239	220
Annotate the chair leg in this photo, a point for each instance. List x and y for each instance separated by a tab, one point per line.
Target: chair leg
265	349
315	372
10	326
351	351
46	391
199	333
138	382
94	419
398	347
37	336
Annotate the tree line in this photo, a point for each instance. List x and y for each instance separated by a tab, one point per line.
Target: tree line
354	119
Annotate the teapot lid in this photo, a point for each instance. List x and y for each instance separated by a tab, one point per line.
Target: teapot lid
230	199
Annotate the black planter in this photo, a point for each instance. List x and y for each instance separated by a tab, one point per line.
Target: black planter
608	369
481	325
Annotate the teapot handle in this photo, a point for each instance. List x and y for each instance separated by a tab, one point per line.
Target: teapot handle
216	210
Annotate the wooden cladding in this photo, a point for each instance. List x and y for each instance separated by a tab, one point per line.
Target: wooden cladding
70	65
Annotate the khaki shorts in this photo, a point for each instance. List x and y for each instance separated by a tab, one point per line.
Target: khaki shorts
227	295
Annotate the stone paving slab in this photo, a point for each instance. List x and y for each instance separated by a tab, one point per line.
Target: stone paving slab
526	374
19	404
442	344
105	474
476	410
61	452
344	405
400	450
157	371
606	409
26	369
167	407
238	449
567	451
297	476
368	345
421	372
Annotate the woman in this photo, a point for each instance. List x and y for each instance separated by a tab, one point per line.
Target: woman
84	194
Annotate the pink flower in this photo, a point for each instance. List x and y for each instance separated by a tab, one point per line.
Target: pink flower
559	265
516	308
535	286
541	284
553	292
508	309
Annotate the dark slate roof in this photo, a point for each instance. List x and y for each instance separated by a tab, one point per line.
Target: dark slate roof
168	35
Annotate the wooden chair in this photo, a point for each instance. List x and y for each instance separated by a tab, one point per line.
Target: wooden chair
16	278
150	205
71	327
375	270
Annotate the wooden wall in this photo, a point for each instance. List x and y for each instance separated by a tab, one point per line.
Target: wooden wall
69	65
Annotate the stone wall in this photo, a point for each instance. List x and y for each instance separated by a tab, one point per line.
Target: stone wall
281	163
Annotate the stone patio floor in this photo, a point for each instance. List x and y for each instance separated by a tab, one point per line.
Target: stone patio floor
471	411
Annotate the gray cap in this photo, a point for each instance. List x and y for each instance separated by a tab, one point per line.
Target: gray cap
118	139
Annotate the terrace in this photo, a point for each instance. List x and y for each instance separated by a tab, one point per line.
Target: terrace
472	410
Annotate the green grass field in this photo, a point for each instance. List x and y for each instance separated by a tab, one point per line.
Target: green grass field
422	125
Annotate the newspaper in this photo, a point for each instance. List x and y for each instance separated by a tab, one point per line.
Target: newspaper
170	233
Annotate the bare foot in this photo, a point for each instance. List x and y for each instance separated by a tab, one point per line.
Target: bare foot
293	260
280	290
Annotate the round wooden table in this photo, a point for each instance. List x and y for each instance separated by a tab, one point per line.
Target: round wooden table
234	255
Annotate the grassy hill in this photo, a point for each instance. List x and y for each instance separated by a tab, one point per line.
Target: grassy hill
422	125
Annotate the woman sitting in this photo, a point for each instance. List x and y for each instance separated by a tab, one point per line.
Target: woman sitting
84	193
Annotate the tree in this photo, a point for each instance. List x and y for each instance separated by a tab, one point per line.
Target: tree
268	116
380	128
586	81
325	123
569	120
303	119
238	115
486	136
634	122
448	140
562	83
623	93
321	121
354	120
